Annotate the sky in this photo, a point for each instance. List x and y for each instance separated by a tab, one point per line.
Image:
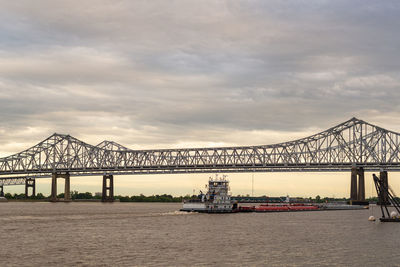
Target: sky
169	74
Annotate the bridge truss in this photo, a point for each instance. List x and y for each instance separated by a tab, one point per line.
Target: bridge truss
352	143
20	180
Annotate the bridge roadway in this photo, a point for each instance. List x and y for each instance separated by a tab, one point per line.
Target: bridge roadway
352	145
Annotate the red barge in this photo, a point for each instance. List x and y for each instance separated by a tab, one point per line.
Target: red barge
278	208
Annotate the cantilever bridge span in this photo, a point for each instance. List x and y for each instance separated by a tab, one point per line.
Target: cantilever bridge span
353	145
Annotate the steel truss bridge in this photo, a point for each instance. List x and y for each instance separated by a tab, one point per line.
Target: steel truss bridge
340	148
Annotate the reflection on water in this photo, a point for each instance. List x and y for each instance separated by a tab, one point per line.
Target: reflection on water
129	234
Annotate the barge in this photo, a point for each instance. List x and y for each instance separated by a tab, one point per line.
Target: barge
218	200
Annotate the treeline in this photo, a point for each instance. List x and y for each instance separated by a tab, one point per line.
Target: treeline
22	196
319	199
154	198
75	195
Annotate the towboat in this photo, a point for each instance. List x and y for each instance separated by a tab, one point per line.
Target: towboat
216	200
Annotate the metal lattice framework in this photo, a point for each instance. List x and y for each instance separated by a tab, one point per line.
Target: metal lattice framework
353	142
20	180
111	145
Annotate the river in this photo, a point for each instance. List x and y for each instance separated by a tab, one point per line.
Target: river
157	234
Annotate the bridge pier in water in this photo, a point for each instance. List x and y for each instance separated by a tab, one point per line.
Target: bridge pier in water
30	183
108	188
383	176
67	191
357	188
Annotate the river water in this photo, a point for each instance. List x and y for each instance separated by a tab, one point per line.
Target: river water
157	234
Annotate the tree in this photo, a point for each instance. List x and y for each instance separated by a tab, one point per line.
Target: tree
38	196
86	195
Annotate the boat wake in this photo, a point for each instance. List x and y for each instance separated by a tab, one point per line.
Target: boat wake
177	212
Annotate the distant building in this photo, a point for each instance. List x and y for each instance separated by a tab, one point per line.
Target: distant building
98	194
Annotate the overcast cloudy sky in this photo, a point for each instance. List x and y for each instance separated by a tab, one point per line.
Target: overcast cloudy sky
193	73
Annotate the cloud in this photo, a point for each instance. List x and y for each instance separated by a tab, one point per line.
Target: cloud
160	74
151	74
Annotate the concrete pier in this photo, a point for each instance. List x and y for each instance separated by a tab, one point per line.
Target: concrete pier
108	188
54	187
67	192
383	176
353	184
361	185
30	183
357	189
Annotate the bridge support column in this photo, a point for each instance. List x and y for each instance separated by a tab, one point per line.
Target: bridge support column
353	185
1	191
108	188
361	184
357	190
30	182
383	176
67	192
54	187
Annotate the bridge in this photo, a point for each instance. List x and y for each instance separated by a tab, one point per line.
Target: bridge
354	145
